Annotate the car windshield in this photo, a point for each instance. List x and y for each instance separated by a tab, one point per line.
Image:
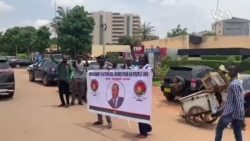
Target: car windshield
4	64
180	71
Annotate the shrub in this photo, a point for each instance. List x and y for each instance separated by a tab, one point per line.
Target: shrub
23	56
4	54
221	57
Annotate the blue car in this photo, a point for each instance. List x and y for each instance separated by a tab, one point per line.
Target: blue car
44	70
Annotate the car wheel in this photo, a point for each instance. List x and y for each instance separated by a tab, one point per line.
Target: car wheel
17	66
170	97
11	95
46	81
31	77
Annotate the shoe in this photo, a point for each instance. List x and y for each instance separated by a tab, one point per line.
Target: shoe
80	103
98	123
67	106
109	126
61	105
72	103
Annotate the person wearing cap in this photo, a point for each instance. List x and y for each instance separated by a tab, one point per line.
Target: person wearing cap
65	72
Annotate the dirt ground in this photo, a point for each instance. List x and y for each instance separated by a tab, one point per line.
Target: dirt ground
33	115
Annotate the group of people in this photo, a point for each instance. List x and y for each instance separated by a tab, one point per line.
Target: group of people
71	79
73	75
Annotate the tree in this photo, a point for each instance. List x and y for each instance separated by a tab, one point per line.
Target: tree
146	31
11	40
74	31
62	13
26	35
128	40
41	39
178	31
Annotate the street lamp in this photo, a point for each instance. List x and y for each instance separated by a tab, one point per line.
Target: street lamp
104	28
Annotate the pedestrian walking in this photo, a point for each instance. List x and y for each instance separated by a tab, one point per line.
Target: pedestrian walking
79	80
102	65
65	73
233	110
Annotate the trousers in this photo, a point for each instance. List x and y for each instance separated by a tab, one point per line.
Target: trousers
144	128
108	119
63	87
223	123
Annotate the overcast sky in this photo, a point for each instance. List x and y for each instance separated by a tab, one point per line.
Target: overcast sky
196	15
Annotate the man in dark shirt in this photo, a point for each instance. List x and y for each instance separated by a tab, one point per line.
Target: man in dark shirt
65	74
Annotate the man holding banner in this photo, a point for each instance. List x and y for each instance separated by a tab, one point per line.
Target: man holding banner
122	93
101	61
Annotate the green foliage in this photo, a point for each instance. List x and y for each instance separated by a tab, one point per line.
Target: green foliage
221	57
146	31
74	30
184	58
244	65
167	58
24	40
23	56
178	31
41	39
160	72
128	40
112	56
4	54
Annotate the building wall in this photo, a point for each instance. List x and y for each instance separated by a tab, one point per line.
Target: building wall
174	42
223	42
207	42
98	49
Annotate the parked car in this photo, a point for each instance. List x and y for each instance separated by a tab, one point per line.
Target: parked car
183	80
44	70
17	63
246	86
7	79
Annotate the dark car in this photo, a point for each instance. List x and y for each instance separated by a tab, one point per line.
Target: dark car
183	80
20	63
44	70
7	79
246	86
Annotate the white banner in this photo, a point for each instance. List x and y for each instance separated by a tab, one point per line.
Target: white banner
121	93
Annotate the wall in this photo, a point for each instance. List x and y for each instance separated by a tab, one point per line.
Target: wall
223	42
207	42
174	42
98	49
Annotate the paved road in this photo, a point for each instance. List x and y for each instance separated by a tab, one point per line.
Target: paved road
32	115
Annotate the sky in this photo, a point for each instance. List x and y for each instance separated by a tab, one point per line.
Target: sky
164	15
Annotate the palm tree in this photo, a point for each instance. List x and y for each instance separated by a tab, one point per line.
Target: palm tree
146	30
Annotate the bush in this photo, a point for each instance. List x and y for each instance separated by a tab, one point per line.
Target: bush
211	63
221	57
244	65
4	54
23	56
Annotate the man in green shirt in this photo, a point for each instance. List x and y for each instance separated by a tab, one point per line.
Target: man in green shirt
65	72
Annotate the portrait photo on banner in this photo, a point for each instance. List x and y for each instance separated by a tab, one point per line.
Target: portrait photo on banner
115	94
